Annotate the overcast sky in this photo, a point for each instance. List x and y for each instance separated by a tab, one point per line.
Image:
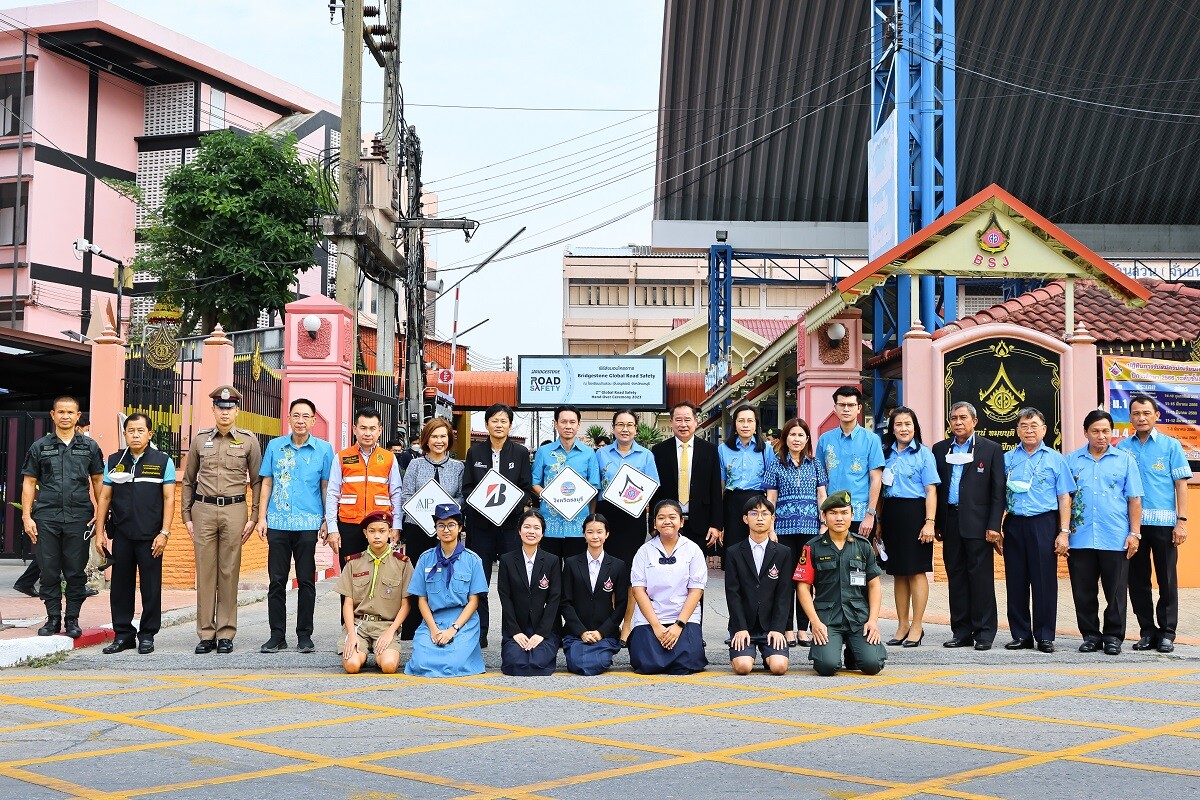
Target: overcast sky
544	54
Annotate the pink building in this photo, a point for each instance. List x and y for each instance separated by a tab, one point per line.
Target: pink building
108	94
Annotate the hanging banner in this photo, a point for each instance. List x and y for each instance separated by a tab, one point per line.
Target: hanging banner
1174	385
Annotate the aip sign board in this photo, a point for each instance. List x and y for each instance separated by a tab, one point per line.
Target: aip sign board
592	381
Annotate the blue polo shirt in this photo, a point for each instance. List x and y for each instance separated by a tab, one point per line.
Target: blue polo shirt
744	468
956	470
849	460
296	502
1045	471
549	460
610	460
1160	462
1100	506
912	469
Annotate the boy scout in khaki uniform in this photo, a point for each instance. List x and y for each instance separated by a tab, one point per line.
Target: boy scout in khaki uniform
838	574
374	584
220	463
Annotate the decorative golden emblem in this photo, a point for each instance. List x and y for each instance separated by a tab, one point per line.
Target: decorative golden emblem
256	363
1002	399
161	348
993	238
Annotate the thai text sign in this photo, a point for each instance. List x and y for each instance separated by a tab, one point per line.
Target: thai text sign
1175	385
592	381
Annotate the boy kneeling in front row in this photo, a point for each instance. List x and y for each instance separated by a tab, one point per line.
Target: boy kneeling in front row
374	584
840	592
758	592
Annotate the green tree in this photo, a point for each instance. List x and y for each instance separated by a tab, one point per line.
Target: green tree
235	229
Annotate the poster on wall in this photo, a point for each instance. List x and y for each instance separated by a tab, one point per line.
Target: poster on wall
999	377
1175	386
605	382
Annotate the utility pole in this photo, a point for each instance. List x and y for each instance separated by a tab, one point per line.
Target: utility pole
393	135
414	287
351	142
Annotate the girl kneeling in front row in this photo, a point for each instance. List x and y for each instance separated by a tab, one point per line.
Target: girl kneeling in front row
595	596
530	584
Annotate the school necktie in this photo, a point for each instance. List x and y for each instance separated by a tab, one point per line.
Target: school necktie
685	475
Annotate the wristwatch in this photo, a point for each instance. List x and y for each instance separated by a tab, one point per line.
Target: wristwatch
682	625
1136	535
1180	518
871	511
166	534
455	626
1064	530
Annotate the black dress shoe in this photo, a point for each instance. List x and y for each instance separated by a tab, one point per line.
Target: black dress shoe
206	646
26	590
1112	648
981	646
894	642
53	625
146	645
1089	646
305	645
1045	646
1019	644
1147	643
273	645
965	641
117	645
1166	646
90	592
224	646
71	627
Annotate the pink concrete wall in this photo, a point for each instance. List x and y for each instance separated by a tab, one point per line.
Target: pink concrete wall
120	118
56	217
241	114
60	93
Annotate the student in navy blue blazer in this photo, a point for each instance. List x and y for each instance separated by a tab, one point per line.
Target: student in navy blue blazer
594	598
758	591
530	584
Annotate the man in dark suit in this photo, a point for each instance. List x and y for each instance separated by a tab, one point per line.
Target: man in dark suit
512	461
595	595
690	472
530	584
969	510
758	591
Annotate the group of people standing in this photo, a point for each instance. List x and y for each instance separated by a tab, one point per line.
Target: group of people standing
804	530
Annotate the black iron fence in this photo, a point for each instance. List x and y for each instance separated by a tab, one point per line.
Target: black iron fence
379	389
161	376
258	375
18	431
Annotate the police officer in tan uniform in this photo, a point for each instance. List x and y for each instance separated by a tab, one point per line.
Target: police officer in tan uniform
220	463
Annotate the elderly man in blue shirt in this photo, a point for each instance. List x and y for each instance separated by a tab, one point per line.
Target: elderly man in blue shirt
1165	473
853	458
295	472
1038	492
1106	515
564	537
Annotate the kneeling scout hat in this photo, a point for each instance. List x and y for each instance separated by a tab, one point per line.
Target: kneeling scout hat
377	516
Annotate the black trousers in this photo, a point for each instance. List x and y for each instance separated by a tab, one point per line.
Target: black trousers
971	576
353	541
489	543
62	553
282	548
31	575
133	562
1158	548
564	547
416	542
1031	566
1110	569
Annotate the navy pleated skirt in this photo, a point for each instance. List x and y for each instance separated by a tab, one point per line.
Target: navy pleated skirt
648	657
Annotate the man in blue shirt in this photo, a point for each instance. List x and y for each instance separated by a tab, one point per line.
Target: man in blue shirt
1165	473
295	471
1106	514
564	537
853	458
1038	491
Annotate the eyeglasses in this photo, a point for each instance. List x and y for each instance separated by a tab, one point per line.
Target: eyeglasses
847	405
446	526
758	514
621	425
302	416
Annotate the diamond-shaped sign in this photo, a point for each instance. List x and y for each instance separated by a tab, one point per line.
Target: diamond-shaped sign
630	490
568	493
495	497
420	506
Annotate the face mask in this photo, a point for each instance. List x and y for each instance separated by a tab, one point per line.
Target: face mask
121	477
1018	487
959	458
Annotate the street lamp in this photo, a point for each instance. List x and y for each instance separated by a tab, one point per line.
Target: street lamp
83	246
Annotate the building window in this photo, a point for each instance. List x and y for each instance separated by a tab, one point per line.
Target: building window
216	110
787	297
599	295
745	297
665	296
8	209
14	108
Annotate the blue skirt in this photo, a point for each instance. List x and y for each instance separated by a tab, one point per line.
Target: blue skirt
648	657
519	662
589	659
461	657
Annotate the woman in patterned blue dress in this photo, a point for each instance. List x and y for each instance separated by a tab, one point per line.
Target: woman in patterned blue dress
796	483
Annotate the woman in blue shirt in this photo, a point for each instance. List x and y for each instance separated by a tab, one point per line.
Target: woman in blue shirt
910	481
447	582
796	483
745	458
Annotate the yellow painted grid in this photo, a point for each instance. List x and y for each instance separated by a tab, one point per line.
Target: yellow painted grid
351	703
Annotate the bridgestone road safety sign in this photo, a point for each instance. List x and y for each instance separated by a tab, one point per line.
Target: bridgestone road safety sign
420	506
630	490
495	497
569	493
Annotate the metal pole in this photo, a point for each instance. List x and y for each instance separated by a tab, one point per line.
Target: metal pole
454	344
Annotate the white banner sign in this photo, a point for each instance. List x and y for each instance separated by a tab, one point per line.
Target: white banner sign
421	505
495	497
630	490
606	382
568	493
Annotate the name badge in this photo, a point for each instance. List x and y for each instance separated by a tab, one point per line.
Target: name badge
858	577
208	443
889	477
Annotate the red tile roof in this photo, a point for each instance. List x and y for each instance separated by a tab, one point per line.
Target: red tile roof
1172	312
769	329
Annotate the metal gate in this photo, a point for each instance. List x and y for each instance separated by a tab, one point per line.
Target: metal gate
258	375
18	431
378	389
160	384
